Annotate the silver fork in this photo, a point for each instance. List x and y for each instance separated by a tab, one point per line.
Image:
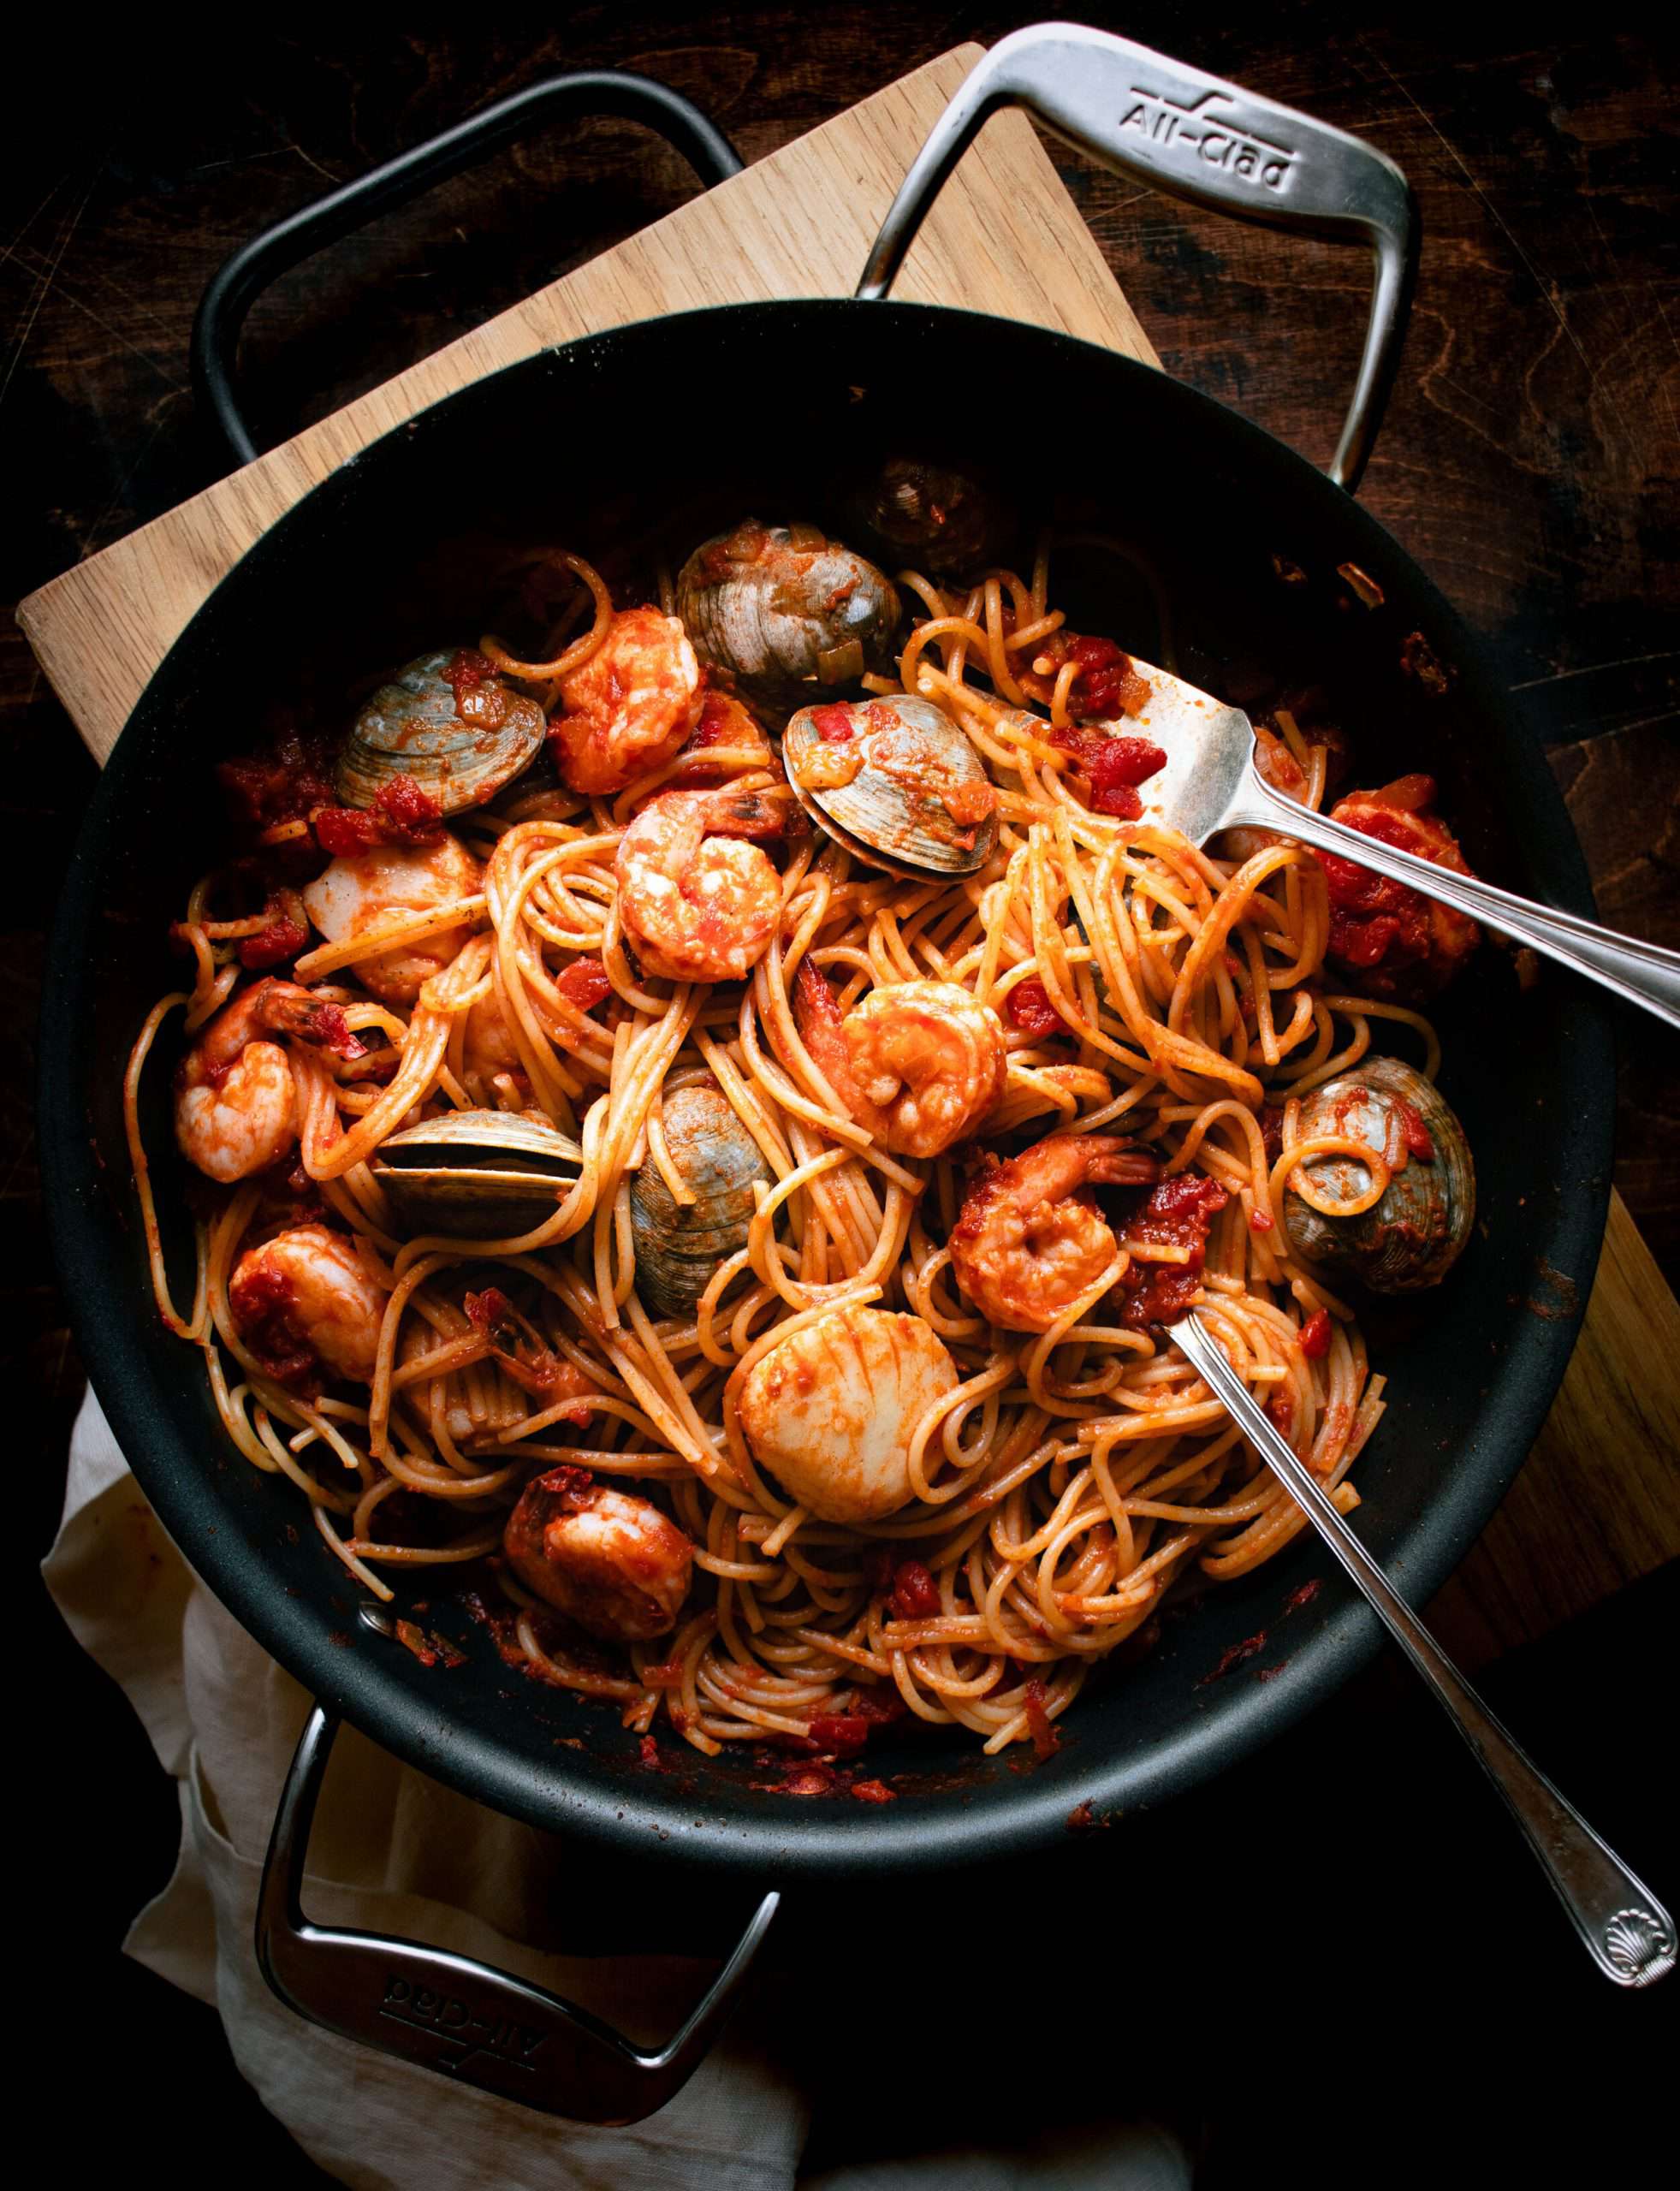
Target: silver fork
1210	783
1626	1930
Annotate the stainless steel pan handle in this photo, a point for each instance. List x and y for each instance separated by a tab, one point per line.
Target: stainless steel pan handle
473	2024
1163	122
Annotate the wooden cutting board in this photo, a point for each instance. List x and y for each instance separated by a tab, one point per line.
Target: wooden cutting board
1598	1503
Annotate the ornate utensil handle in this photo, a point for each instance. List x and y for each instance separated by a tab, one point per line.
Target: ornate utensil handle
1163	123
1627	1931
239	280
475	2025
1642	973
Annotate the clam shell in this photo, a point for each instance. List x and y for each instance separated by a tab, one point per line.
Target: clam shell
484	1175
1412	1238
893	812
678	1247
412	727
774	610
942	518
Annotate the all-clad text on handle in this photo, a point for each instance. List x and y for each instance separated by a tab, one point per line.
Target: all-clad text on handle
1162	122
471	2023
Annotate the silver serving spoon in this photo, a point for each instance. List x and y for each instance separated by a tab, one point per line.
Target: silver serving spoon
1210	783
1627	1931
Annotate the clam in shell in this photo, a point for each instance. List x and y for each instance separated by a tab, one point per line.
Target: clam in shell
477	1175
1413	1236
678	1245
461	741
777	608
896	781
942	518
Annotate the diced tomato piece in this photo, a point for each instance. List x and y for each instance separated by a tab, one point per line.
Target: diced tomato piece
873	1791
1177	1214
1029	1010
843	1732
915	1592
1045	1741
833	724
583	983
1315	1335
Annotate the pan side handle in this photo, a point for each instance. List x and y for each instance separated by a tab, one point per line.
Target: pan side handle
239	280
1163	123
472	2024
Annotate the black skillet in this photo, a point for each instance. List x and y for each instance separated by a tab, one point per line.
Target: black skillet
756	408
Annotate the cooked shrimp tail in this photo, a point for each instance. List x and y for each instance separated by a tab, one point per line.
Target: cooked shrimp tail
1030	1238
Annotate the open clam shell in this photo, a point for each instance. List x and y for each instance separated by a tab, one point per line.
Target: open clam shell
459	742
477	1175
1413	1236
904	789
678	1246
776	608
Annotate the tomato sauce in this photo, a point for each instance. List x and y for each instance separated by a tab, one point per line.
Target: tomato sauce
1046	1740
1176	1214
833	724
401	814
1114	765
915	1592
262	1298
1028	1011
466	670
1107	683
1315	1335
282	938
284	784
584	983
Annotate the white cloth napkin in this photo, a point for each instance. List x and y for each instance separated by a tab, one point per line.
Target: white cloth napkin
395	1852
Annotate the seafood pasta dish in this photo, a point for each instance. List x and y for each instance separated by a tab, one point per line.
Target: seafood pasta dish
702	1097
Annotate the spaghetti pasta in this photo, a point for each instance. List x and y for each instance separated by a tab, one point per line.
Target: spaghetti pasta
1107	986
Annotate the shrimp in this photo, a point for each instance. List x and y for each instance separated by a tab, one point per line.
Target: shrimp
307	1304
362	890
1029	1238
699	904
607	1559
631	706
925	1060
235	1106
833	1407
491	1055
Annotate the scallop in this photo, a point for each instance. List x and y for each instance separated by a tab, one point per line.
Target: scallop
776	609
680	1246
461	740
831	1410
942	518
1411	1238
477	1175
896	781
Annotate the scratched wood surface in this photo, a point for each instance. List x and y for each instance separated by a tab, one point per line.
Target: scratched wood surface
1529	461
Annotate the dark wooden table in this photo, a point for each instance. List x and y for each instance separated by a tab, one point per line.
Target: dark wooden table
1530	462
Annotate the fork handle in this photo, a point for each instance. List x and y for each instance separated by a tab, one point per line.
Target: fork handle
1642	973
1625	1929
